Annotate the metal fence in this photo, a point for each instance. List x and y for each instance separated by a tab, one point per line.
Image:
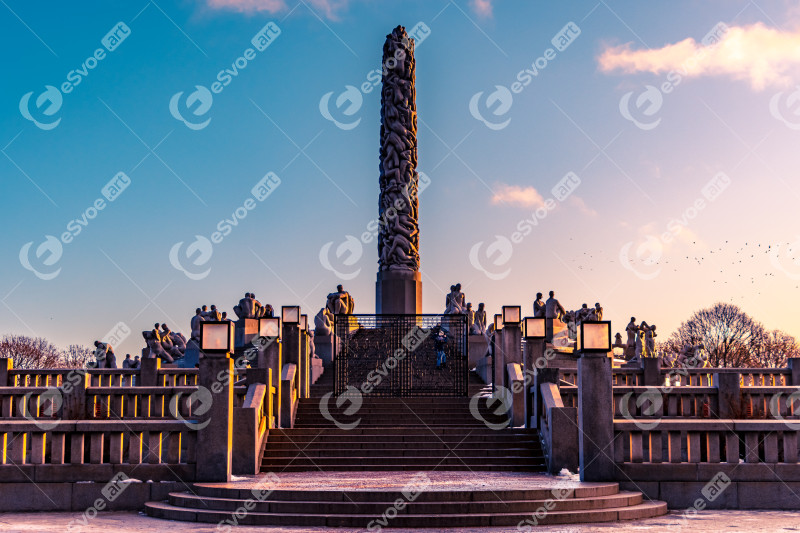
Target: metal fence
395	355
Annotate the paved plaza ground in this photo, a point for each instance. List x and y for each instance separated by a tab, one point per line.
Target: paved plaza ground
114	522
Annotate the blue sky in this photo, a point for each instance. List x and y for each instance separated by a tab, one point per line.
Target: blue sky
632	235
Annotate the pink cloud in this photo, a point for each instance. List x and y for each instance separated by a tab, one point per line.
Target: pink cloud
483	8
521	196
579	203
758	54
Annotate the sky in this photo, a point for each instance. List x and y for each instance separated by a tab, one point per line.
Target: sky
158	156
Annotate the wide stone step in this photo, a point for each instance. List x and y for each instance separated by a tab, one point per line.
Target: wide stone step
621	499
449	459
431	444
330	451
361	467
461	431
579	490
314	519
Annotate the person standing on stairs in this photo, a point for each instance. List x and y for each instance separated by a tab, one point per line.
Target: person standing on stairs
439	342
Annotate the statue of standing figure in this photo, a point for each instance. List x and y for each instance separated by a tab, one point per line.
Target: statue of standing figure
340	302
539	306
649	333
479	322
195	324
553	308
455	301
633	332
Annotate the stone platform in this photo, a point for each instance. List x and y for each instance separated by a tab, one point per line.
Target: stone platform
405	499
133	522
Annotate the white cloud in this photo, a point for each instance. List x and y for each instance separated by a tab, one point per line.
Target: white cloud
327	8
516	195
761	55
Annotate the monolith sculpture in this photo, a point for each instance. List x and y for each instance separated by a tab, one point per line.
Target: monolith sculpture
399	285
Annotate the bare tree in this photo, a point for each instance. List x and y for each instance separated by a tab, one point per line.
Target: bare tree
731	338
775	348
76	356
30	352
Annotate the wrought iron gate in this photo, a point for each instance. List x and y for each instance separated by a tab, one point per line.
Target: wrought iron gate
395	355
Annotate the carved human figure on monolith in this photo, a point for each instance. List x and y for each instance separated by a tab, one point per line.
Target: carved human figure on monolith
398	240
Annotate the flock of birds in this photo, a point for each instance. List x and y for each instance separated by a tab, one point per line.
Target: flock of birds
747	264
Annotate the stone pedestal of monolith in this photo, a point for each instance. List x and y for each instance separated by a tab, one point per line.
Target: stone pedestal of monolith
246	330
595	418
215	424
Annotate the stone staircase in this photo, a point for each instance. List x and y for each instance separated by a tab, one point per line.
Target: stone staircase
240	503
439	457
399	434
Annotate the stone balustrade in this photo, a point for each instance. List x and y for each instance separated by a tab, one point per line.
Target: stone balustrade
58	451
558	430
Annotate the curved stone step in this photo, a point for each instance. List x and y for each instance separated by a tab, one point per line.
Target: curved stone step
341	492
621	499
172	512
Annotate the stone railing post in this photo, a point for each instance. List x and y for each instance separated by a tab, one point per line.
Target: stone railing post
729	395
516	386
215	423
246	429
651	367
498	362
793	363
535	360
291	349
73	395
543	375
148	372
595	418
288	393
272	361
6	365
305	365
511	346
